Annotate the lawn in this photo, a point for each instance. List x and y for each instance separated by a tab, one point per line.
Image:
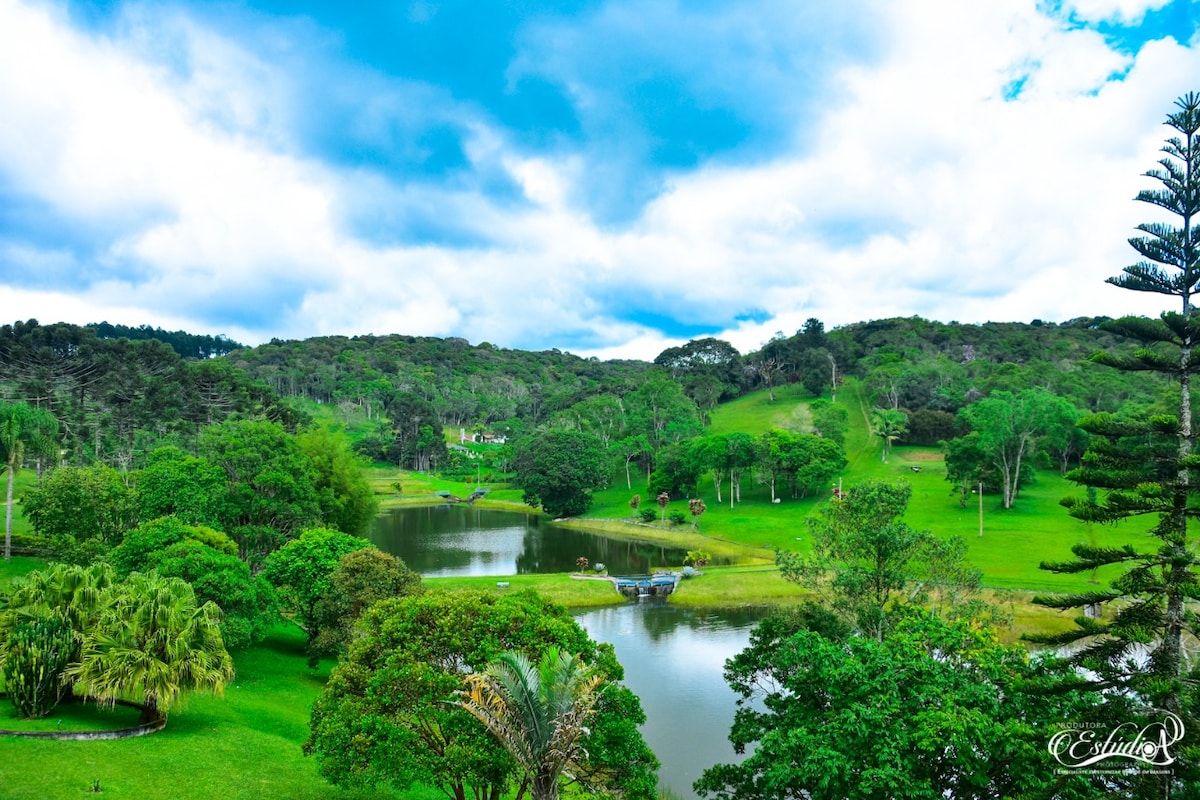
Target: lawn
245	746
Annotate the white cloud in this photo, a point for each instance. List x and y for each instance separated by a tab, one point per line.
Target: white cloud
1129	12
922	191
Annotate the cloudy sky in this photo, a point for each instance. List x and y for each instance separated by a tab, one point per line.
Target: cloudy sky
608	177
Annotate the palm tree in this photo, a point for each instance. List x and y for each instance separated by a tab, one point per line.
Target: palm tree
537	712
888	424
153	643
22	428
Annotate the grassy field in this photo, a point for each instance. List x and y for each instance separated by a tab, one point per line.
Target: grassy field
245	746
1013	543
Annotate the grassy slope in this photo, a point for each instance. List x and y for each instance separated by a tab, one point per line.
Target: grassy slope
1014	542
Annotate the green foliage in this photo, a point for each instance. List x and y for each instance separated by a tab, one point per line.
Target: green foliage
362	578
675	473
889	424
388	713
865	561
24	430
137	553
248	602
152	642
1147	466
81	503
270	482
677	517
346	499
1011	428
931	710
648	515
829	421
302	571
187	345
929	427
538	713
559	469
174	483
32	661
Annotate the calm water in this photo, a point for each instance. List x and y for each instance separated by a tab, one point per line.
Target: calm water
673	657
455	540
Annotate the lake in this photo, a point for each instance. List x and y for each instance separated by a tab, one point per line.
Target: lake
459	540
673	656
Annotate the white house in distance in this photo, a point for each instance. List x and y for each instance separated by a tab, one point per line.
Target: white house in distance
480	438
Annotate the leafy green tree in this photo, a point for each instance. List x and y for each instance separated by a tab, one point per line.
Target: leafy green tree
361	579
675	473
711	357
1010	428
302	570
388	714
559	469
72	592
661	411
776	449
345	496
80	503
817	461
417	432
248	603
174	483
930	427
933	709
830	421
603	416
141	546
152	642
539	713
269	480
24	430
866	561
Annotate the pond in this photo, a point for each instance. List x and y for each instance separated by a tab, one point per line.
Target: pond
459	540
673	656
674	660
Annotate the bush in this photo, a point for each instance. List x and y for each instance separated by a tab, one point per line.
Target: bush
677	517
648	515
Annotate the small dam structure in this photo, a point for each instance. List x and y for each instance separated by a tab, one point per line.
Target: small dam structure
638	586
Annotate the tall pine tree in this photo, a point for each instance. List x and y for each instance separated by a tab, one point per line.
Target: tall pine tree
1148	466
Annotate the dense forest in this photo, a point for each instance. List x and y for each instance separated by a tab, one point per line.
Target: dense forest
117	398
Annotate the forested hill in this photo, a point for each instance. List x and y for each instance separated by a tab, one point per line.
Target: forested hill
187	345
117	397
465	383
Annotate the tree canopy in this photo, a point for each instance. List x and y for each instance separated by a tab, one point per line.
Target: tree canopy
389	715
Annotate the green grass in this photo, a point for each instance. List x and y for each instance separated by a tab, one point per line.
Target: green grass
562	588
245	746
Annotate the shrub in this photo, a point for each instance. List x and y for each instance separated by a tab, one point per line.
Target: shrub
677	517
648	515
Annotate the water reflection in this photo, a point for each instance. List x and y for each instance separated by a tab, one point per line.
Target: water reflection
444	540
674	660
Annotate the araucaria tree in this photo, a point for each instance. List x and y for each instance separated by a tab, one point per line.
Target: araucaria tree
1148	466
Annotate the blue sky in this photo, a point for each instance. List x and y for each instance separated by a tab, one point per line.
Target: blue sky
605	177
